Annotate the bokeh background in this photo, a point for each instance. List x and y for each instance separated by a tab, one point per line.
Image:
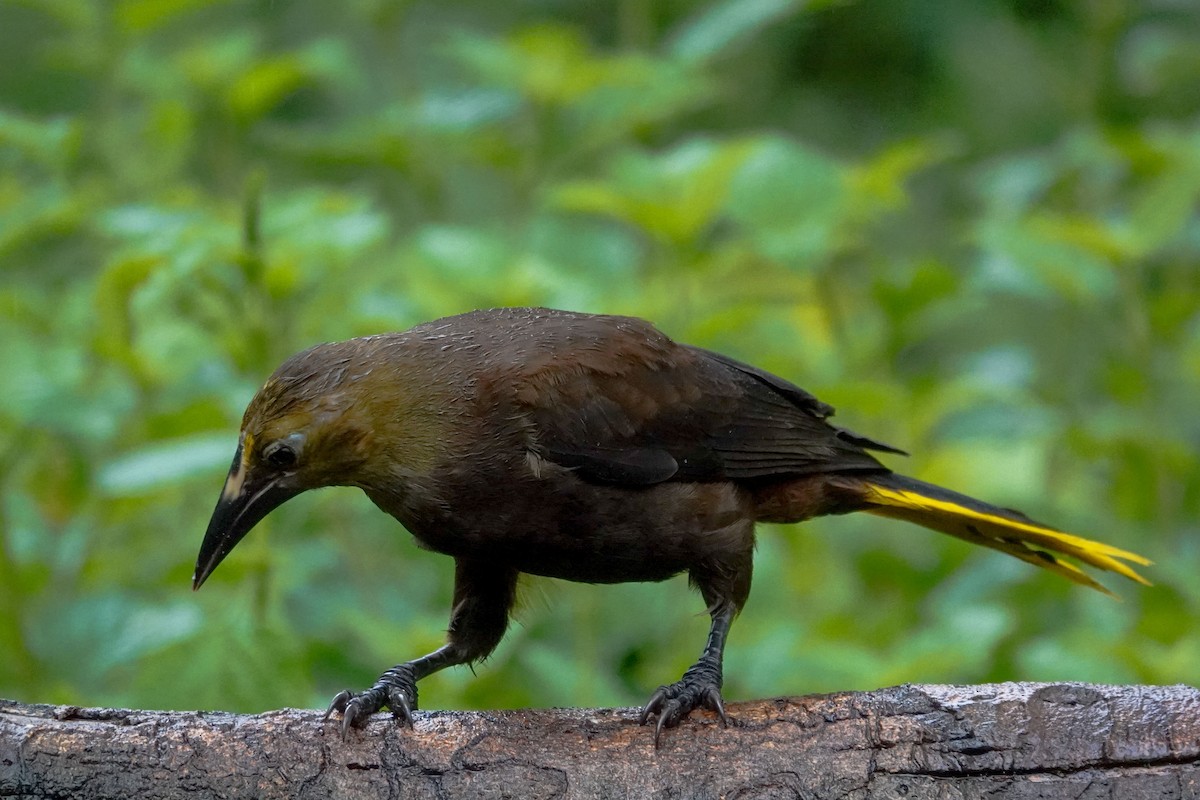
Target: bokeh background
972	227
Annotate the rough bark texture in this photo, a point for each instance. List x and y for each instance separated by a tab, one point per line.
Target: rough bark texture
1013	740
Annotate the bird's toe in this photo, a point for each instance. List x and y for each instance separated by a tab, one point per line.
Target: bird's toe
356	709
671	704
401	705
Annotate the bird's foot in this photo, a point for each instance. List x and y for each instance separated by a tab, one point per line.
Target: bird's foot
700	687
396	689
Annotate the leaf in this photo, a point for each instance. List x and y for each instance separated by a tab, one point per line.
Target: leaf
547	63
147	629
114	292
790	199
674	195
465	110
52	143
725	24
1051	255
463	251
137	16
1163	210
264	85
166	463
882	179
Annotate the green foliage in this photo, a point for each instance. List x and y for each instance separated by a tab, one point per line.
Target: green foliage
972	227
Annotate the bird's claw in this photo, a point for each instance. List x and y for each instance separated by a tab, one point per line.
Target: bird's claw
354	709
672	703
395	689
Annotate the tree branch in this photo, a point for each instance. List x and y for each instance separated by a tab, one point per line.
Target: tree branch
1011	740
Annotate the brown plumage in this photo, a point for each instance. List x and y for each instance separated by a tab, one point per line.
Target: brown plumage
590	448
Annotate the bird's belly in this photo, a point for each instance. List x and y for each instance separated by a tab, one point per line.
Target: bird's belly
567	528
596	567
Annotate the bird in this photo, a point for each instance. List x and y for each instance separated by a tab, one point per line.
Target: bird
585	447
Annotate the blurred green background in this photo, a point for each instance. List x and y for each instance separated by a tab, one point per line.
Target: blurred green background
972	227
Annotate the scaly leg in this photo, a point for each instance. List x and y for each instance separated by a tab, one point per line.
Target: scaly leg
700	685
483	596
725	587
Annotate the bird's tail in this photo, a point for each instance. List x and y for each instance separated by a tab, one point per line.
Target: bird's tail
1001	529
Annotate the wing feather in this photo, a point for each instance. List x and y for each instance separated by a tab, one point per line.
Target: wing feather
637	408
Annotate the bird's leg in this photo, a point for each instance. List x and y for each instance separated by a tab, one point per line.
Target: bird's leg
724	583
483	596
700	685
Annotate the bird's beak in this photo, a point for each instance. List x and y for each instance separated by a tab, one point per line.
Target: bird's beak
244	501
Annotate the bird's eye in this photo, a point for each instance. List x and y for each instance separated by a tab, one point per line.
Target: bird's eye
280	455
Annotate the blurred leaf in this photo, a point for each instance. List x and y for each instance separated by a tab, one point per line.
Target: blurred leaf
261	87
674	195
1164	209
326	222
463	251
464	111
53	143
114	292
212	63
146	630
791	200
1048	257
884	177
725	23
166	463
140	15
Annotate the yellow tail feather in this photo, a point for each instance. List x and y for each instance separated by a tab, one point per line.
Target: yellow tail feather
1020	537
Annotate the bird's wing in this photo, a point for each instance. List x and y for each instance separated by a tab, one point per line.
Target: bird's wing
645	411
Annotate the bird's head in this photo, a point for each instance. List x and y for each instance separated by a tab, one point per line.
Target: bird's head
303	430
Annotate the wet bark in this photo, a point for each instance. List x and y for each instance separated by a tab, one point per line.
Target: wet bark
1013	740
